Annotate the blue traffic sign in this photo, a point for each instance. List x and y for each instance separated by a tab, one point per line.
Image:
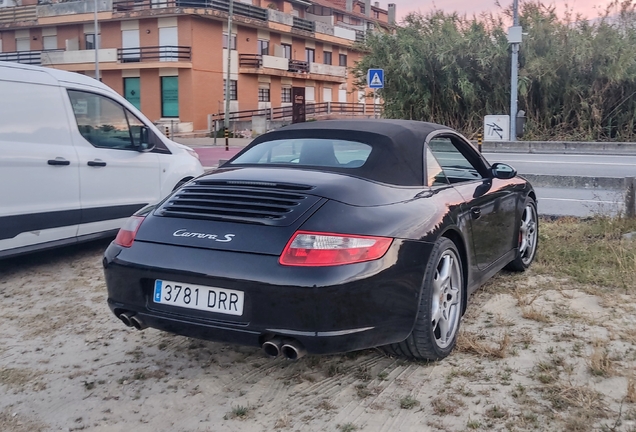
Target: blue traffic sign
375	78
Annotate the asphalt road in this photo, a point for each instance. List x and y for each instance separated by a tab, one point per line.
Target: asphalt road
568	201
568	164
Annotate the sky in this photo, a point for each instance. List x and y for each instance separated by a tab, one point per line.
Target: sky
588	8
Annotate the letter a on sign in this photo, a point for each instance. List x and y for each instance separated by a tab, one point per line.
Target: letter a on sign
375	78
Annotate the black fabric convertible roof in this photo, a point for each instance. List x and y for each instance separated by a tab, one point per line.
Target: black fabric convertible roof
397	145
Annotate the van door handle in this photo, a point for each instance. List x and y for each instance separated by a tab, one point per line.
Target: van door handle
97	163
58	161
475	212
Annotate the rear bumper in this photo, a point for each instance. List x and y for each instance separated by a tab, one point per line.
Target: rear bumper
327	309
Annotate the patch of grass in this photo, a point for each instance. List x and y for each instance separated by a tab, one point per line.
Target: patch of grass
473	424
238	411
408	402
473	343
382	376
531	313
590	251
496	412
347	427
599	363
630	397
445	406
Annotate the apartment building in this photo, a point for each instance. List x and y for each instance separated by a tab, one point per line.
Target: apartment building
169	57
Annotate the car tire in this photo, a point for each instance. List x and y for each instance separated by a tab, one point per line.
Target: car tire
528	237
441	306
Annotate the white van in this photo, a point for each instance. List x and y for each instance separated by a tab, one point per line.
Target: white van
76	159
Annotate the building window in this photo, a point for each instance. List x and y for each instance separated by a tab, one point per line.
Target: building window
362	9
89	40
342	60
287	53
326	57
233	89
310	94
286	95
263	94
310	55
49	43
233	40
132	91
263	47
23	44
376	14
170	96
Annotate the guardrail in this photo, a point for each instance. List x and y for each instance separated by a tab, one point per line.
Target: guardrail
626	185
165	53
561	147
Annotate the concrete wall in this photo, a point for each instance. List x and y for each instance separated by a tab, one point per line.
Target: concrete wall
561	147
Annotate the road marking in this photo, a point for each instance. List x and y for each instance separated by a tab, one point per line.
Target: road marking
579	200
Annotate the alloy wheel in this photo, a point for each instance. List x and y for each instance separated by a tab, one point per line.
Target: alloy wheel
528	234
446	301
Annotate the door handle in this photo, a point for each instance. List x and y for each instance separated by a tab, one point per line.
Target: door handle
475	212
58	161
96	163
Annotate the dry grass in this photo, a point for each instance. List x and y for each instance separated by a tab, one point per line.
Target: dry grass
531	313
590	252
473	343
630	397
600	363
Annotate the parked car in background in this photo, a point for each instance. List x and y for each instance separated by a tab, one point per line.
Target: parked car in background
76	159
327	237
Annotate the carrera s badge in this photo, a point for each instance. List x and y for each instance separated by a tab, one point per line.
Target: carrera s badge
184	233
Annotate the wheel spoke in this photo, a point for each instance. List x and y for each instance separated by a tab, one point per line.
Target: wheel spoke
444	326
444	271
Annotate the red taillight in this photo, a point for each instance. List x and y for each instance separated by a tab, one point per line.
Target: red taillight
326	249
127	233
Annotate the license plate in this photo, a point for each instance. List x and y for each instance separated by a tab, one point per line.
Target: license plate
199	297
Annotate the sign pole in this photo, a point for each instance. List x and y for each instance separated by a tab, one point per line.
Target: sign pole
374	116
514	72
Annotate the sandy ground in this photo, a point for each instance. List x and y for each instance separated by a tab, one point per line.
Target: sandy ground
536	353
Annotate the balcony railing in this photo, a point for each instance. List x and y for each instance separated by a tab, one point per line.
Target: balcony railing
250	60
360	36
298	66
165	53
303	24
311	109
18	13
25	57
220	5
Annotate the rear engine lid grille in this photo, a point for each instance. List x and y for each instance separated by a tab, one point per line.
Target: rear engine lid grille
277	204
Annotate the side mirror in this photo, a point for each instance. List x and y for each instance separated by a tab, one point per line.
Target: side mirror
141	137
503	171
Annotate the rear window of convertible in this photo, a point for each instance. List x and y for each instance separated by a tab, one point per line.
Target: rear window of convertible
314	152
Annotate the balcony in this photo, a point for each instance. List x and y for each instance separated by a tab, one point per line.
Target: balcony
164	53
303	24
298	66
323	69
258	61
243	9
26	57
18	13
106	55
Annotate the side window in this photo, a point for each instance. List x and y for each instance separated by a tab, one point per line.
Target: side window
434	172
456	166
104	123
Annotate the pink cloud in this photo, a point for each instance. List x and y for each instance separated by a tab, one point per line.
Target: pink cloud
587	8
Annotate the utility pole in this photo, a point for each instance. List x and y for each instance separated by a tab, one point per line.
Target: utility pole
227	78
514	38
96	45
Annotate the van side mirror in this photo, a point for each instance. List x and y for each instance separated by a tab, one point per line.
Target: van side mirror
141	137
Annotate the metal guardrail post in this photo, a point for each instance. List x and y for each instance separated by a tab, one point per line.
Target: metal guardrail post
479	142
167	132
630	196
227	138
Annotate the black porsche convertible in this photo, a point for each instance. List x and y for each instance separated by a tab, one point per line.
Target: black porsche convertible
327	237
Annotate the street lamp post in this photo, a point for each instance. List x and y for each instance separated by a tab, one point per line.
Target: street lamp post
227	77
514	38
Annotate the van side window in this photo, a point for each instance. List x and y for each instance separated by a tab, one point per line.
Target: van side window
103	122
